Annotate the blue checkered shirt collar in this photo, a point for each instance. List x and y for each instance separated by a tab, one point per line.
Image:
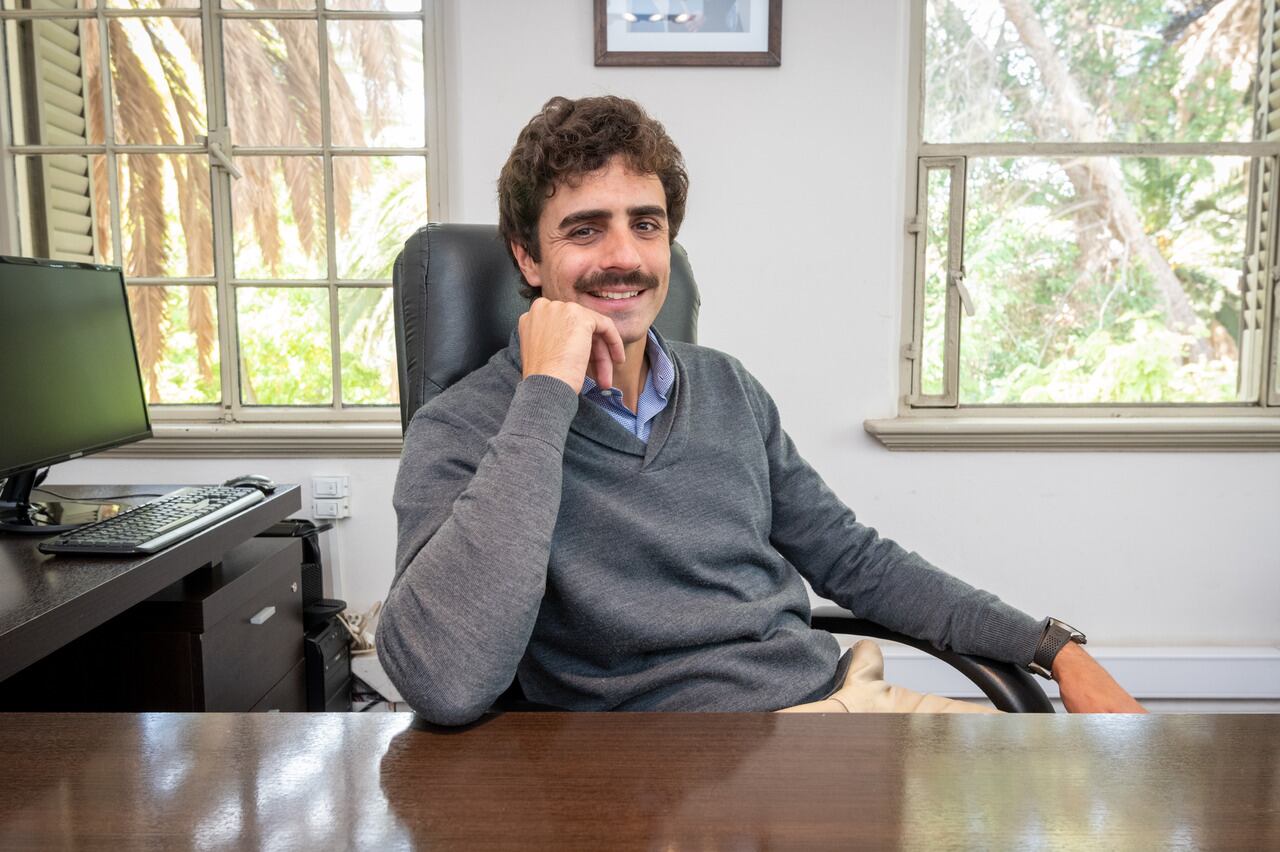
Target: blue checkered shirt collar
653	396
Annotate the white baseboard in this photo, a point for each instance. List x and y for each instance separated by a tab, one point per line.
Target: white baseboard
1182	674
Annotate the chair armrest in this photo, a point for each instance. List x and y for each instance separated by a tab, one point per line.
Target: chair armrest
1010	688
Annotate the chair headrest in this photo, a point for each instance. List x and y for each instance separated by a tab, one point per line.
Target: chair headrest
457	300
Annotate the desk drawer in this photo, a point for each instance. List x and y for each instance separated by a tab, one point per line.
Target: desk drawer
247	653
287	696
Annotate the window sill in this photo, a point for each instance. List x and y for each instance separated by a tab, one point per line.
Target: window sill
1093	433
270	440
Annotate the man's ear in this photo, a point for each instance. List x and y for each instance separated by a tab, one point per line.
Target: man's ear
528	266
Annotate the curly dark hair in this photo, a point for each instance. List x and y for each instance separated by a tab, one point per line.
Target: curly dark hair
569	139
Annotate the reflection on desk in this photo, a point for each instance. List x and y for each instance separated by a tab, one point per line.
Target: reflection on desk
741	781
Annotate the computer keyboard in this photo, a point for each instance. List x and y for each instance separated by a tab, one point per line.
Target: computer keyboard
158	524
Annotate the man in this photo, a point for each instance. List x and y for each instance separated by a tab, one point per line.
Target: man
620	519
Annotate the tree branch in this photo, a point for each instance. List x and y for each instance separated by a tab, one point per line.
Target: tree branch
1099	176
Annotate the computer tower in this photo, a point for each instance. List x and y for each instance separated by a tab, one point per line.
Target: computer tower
327	642
327	648
313	602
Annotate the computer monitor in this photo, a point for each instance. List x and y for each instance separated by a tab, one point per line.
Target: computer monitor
69	380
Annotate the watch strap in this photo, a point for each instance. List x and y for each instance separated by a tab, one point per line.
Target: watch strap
1055	637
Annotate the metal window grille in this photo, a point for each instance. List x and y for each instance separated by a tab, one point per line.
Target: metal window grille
1259	378
56	216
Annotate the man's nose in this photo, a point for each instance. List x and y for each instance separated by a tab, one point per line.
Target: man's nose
620	250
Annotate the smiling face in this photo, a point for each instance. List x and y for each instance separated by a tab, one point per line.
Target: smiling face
605	244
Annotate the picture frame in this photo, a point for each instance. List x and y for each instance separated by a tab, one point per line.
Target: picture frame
688	32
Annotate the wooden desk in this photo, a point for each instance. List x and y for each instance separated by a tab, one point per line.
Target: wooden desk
46	601
641	781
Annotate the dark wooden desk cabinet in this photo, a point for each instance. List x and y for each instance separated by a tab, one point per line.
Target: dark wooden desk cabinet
227	637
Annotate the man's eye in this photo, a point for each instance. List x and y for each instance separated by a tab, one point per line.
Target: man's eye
647	225
583	232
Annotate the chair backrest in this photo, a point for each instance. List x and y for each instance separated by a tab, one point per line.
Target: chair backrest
457	300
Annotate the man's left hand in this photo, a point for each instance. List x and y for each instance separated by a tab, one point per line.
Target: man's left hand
1087	687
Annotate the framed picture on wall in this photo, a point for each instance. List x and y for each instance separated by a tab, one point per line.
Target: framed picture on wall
688	32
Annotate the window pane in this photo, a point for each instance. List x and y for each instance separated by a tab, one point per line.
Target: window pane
66	211
27	4
268	4
177	332
151	4
284	345
376	5
1103	279
936	264
378	202
1132	72
55	81
166	226
368	341
273	82
157	80
376	94
278	211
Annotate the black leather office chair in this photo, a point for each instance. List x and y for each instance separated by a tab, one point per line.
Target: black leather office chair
457	300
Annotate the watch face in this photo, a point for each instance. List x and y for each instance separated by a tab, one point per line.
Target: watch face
1072	634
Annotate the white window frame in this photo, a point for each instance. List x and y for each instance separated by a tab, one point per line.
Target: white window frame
229	428
939	422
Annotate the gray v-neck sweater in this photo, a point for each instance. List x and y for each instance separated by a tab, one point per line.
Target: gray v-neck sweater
538	537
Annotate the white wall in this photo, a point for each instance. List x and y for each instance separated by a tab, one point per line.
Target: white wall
795	230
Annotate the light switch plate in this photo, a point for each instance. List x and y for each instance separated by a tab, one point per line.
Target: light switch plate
330	509
326	487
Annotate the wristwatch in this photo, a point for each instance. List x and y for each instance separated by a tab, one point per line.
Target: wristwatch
1055	637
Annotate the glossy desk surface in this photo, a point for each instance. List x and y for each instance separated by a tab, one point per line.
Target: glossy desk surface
640	781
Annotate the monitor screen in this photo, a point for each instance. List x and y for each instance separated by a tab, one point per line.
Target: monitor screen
69	379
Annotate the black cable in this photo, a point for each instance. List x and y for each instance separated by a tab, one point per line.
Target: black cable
97	501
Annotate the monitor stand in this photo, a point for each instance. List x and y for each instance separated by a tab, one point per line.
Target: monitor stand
19	514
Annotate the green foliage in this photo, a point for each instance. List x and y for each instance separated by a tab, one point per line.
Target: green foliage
363	383
284	346
1144	364
383	217
366	332
179	379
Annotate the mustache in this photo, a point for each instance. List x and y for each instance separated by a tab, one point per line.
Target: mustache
636	278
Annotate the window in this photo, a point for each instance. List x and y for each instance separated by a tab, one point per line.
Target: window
253	166
1092	186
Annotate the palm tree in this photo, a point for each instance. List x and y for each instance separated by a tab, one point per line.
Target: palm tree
158	98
